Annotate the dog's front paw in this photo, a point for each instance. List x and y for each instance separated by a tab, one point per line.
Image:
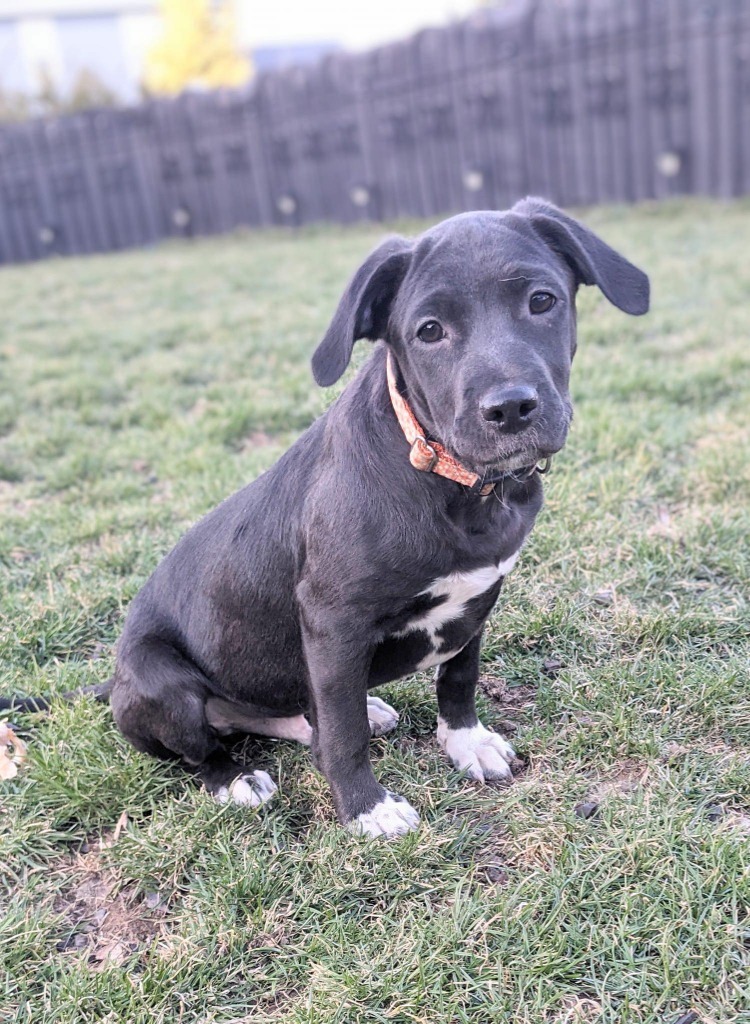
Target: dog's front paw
249	790
482	754
392	816
381	716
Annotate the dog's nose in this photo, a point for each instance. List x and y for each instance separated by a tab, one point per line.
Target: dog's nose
511	409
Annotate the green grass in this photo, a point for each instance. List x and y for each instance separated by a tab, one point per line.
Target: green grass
136	391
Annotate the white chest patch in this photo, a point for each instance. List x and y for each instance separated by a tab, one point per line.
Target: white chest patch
458	588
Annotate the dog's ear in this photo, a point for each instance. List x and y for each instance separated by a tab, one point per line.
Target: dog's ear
591	259
363	309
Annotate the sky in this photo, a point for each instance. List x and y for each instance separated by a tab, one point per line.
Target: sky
355	25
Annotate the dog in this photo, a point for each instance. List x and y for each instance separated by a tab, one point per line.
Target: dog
377	545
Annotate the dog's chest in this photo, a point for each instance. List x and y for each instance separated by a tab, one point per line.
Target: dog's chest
453	611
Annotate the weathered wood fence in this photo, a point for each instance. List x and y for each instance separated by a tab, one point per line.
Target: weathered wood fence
582	101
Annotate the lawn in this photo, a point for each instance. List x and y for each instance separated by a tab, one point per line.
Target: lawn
139	389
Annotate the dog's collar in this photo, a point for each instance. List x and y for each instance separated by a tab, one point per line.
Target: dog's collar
431	457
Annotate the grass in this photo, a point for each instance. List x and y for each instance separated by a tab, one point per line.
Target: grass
136	391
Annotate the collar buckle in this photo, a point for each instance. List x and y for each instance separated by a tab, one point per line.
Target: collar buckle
432	457
422	455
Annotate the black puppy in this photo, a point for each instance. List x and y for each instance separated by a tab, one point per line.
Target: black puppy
377	545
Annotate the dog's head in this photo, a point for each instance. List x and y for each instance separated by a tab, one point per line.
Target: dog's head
479	312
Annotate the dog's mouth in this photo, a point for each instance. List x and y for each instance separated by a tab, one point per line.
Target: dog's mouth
517	461
520	467
522	459
513	454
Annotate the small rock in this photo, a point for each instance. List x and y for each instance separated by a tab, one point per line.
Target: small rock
587	809
493	687
75	941
496	874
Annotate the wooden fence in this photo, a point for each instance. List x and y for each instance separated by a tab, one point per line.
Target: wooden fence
582	101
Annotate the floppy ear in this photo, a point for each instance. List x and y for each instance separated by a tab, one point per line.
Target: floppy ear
591	259
363	309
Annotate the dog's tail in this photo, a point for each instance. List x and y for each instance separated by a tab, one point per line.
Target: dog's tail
99	691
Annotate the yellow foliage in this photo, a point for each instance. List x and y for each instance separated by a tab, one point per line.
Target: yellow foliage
197	48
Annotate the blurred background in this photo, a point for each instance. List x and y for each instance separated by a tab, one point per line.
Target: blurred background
126	121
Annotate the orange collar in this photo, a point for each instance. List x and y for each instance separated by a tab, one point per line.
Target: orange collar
429	457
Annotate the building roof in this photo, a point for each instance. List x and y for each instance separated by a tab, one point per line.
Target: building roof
270	58
14	9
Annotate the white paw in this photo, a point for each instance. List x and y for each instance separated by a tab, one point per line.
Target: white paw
382	716
393	816
480	753
248	790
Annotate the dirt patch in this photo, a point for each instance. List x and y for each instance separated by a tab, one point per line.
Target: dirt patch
8	500
109	921
578	1010
279	1002
715	748
625	778
739	821
730	819
199	409
258	439
274	939
512	702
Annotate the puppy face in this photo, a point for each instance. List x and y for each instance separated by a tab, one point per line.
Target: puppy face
483	329
480	315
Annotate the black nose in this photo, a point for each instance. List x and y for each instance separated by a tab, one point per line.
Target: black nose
511	409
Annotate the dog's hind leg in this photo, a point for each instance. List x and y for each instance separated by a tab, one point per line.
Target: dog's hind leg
228	782
381	716
228	717
159	703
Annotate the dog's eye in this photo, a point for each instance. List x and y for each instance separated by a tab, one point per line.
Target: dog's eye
541	302
431	331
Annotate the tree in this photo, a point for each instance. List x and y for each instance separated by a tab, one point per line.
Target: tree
197	48
88	91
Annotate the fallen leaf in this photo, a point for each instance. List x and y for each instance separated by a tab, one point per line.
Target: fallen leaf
122	822
111	952
111	839
12	752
